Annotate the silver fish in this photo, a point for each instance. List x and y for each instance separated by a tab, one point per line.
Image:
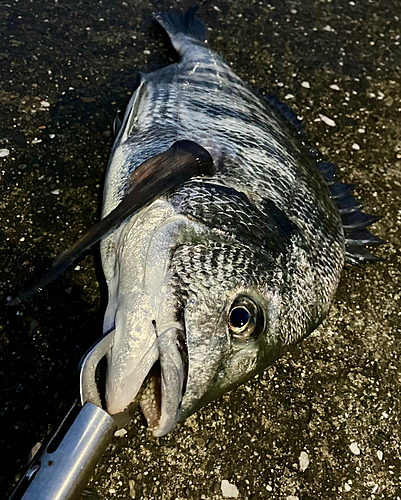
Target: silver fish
211	284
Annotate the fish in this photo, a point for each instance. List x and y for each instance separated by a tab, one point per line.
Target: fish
212	282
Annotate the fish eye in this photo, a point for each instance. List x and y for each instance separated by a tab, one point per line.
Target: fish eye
245	319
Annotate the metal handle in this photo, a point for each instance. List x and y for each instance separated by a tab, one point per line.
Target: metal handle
69	459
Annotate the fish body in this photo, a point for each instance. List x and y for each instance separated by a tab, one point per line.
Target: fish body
210	285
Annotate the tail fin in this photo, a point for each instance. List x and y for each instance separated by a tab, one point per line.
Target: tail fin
187	24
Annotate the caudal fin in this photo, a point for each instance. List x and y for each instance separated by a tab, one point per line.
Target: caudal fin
179	26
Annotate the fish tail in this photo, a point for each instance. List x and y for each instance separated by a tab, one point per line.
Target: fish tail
181	27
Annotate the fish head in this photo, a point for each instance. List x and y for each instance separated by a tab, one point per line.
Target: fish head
197	313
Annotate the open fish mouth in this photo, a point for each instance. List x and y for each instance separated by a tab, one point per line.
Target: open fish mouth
162	390
157	382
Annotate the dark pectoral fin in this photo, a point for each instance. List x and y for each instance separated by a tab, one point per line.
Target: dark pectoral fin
153	178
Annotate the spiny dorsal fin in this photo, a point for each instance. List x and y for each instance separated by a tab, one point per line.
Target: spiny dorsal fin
355	222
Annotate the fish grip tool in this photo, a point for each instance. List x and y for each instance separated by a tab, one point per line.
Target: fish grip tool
63	466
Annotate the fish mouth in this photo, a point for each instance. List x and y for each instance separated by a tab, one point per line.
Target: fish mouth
157	382
163	388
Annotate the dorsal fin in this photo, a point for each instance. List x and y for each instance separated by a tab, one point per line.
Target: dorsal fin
355	222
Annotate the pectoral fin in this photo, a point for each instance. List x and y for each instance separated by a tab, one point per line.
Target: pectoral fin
153	178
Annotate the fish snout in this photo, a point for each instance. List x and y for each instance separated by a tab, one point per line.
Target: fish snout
151	369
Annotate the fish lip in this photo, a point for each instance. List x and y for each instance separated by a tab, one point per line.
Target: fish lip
160	402
172	377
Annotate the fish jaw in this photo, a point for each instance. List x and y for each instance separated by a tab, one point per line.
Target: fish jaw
128	362
147	361
128	372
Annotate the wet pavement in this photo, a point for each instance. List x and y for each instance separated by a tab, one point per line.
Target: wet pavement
324	421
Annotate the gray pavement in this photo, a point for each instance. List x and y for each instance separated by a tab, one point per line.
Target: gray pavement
324	421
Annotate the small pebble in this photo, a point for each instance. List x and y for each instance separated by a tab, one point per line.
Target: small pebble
4	152
355	448
305	85
45	104
289	96
52	136
36	141
146	52
347	487
131	486
229	490
77	268
120	433
292	497
328	121
380	455
269	488
303	460
22	239
356	146
56	192
334	87
375	488
361	130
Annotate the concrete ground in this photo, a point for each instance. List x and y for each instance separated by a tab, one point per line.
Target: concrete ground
324	421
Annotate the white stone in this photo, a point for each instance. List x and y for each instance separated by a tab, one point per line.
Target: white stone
56	192
361	130
303	460
380	455
347	487
305	85
120	433
269	488
289	96
328	121
229	490
4	152
36	141
355	448
131	485
292	497
45	104
356	146
334	87
375	488
52	136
